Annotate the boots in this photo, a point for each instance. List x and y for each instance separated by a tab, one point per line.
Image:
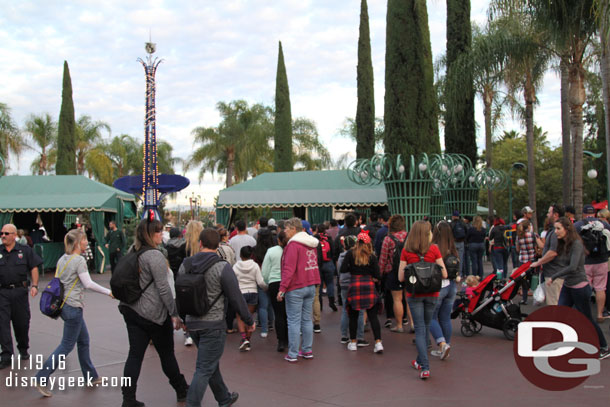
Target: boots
129	397
181	389
331	303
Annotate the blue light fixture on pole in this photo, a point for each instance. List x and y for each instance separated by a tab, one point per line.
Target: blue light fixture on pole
520	182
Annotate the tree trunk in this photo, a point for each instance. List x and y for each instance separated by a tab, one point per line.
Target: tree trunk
605	70
566	139
230	167
487	111
577	99
42	166
530	99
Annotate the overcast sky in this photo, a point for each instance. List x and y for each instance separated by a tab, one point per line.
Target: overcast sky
213	51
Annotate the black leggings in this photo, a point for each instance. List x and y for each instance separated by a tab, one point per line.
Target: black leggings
279	308
141	331
353	322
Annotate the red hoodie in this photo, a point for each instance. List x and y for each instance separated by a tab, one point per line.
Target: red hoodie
300	263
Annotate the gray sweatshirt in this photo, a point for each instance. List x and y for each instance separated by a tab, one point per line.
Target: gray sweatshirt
574	273
220	280
157	300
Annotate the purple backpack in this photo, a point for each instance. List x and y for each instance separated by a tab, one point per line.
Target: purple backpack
52	298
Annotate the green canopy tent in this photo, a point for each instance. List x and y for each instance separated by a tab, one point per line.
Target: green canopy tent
308	194
23	198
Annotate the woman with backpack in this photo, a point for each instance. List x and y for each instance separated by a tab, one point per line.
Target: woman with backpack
527	242
153	316
419	247
360	262
74	276
576	290
440	326
391	248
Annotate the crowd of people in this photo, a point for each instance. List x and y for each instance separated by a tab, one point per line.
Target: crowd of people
281	271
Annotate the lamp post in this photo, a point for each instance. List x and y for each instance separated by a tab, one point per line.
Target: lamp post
515	166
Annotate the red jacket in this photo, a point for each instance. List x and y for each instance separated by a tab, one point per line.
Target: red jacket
300	263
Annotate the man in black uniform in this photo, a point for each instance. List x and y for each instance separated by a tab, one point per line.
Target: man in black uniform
115	243
15	262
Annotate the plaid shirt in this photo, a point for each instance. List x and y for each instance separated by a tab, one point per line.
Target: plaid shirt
527	248
387	251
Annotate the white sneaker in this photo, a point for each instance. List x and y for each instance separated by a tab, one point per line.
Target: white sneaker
188	341
445	351
378	347
352	346
44	391
263	334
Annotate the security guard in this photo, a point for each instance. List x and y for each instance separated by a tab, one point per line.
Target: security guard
15	262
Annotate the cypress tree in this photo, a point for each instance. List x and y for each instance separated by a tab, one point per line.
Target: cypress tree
283	119
411	124
66	137
460	136
365	111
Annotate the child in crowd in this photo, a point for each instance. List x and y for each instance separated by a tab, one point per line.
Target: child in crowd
249	276
471	282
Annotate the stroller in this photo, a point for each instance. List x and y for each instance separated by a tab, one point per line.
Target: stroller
492	306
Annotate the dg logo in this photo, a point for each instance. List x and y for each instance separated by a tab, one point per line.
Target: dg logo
557	348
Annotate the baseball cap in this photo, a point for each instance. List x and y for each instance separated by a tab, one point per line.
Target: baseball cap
456	213
588	209
527	209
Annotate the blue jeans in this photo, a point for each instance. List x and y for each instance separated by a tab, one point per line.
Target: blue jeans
460	248
327	272
501	257
265	311
75	333
210	346
299	306
422	310
476	251
440	326
579	298
345	317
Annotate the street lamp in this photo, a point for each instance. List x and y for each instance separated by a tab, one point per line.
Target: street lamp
520	182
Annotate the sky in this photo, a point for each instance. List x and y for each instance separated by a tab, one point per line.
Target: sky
213	50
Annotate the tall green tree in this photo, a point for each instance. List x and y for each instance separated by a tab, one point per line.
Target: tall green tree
365	110
571	24
66	138
88	135
460	133
42	134
603	18
11	141
411	122
309	152
282	160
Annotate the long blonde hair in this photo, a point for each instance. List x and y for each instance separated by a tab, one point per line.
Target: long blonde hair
477	223
362	253
73	239
193	229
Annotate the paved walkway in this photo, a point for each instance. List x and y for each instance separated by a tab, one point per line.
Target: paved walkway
481	370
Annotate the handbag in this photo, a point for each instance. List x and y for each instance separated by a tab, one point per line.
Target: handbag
539	294
423	277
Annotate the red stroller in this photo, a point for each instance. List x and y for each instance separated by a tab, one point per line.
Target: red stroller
492	306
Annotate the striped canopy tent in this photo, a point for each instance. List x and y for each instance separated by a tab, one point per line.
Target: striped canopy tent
24	198
312	195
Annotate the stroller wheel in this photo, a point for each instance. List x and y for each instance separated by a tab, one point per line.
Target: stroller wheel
467	329
510	328
476	326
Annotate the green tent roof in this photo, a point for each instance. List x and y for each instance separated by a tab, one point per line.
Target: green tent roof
58	193
301	188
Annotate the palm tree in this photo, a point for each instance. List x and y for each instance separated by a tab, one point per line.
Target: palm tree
236	146
42	130
603	16
115	158
11	141
526	65
88	133
305	141
571	24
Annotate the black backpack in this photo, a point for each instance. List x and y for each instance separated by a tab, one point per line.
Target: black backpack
423	277
459	230
398	245
192	291
125	280
452	264
593	240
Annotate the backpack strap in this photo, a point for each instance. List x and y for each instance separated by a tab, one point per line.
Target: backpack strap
73	285
188	267
139	253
